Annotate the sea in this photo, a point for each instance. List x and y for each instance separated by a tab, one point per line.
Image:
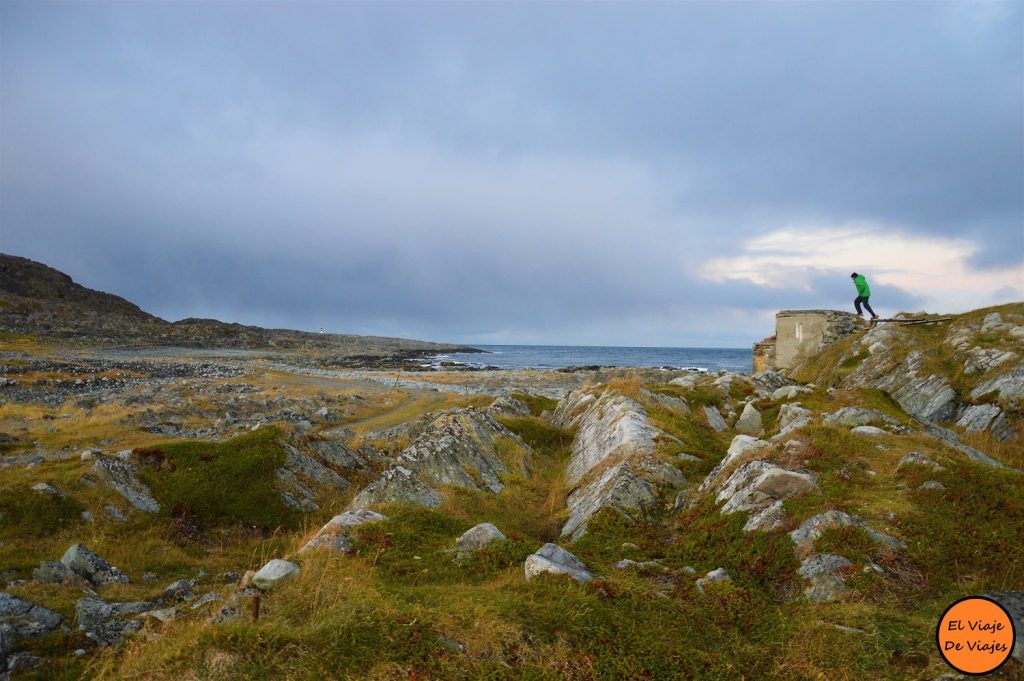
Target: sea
561	356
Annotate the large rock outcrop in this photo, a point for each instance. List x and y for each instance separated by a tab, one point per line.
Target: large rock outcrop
607	425
460	449
612	427
632	488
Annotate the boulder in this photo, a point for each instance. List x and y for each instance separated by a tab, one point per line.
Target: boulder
553	559
106	624
759	487
917	459
46	488
749	422
976	418
506	405
477	538
871	431
715	420
767	382
335	534
791	417
20	618
91	567
740	446
822	575
274	573
1013	601
121	477
811	530
55	572
714	577
851	417
790	392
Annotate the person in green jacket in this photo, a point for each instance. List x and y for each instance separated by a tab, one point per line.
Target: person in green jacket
863	293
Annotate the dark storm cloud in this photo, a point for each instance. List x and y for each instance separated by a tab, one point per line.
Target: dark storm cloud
499	172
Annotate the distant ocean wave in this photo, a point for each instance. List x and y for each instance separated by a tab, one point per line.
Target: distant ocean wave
562	356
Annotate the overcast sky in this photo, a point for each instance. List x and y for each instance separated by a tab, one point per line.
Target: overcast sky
581	173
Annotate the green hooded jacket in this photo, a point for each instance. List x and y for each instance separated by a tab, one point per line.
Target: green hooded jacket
862	286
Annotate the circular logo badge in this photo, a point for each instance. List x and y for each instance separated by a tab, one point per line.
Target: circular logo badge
975	635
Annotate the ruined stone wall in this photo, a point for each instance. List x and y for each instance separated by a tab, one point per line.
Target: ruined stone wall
801	334
764	354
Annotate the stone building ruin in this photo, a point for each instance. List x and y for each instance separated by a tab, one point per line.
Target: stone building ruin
801	334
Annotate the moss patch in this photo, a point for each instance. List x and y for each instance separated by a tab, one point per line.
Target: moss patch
222	483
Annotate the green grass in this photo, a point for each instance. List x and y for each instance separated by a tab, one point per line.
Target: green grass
538	404
23	511
221	483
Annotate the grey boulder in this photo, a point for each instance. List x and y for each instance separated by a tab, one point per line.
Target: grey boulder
274	573
553	559
91	567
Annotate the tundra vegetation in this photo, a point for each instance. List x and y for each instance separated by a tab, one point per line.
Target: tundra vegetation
824	545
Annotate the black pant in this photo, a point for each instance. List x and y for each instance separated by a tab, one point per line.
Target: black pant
863	299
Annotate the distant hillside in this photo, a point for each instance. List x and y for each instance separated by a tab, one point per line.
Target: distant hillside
39	300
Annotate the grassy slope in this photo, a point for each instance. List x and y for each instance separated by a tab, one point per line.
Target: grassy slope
399	608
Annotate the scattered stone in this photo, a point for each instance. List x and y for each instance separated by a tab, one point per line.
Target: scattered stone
750	422
714	577
740	446
45	488
759	487
917	459
506	405
115	513
477	538
180	590
275	572
55	572
791	417
851	417
206	599
822	574
790	392
120	476
105	623
715	420
335	534
20	618
91	567
870	431
553	559
804	536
